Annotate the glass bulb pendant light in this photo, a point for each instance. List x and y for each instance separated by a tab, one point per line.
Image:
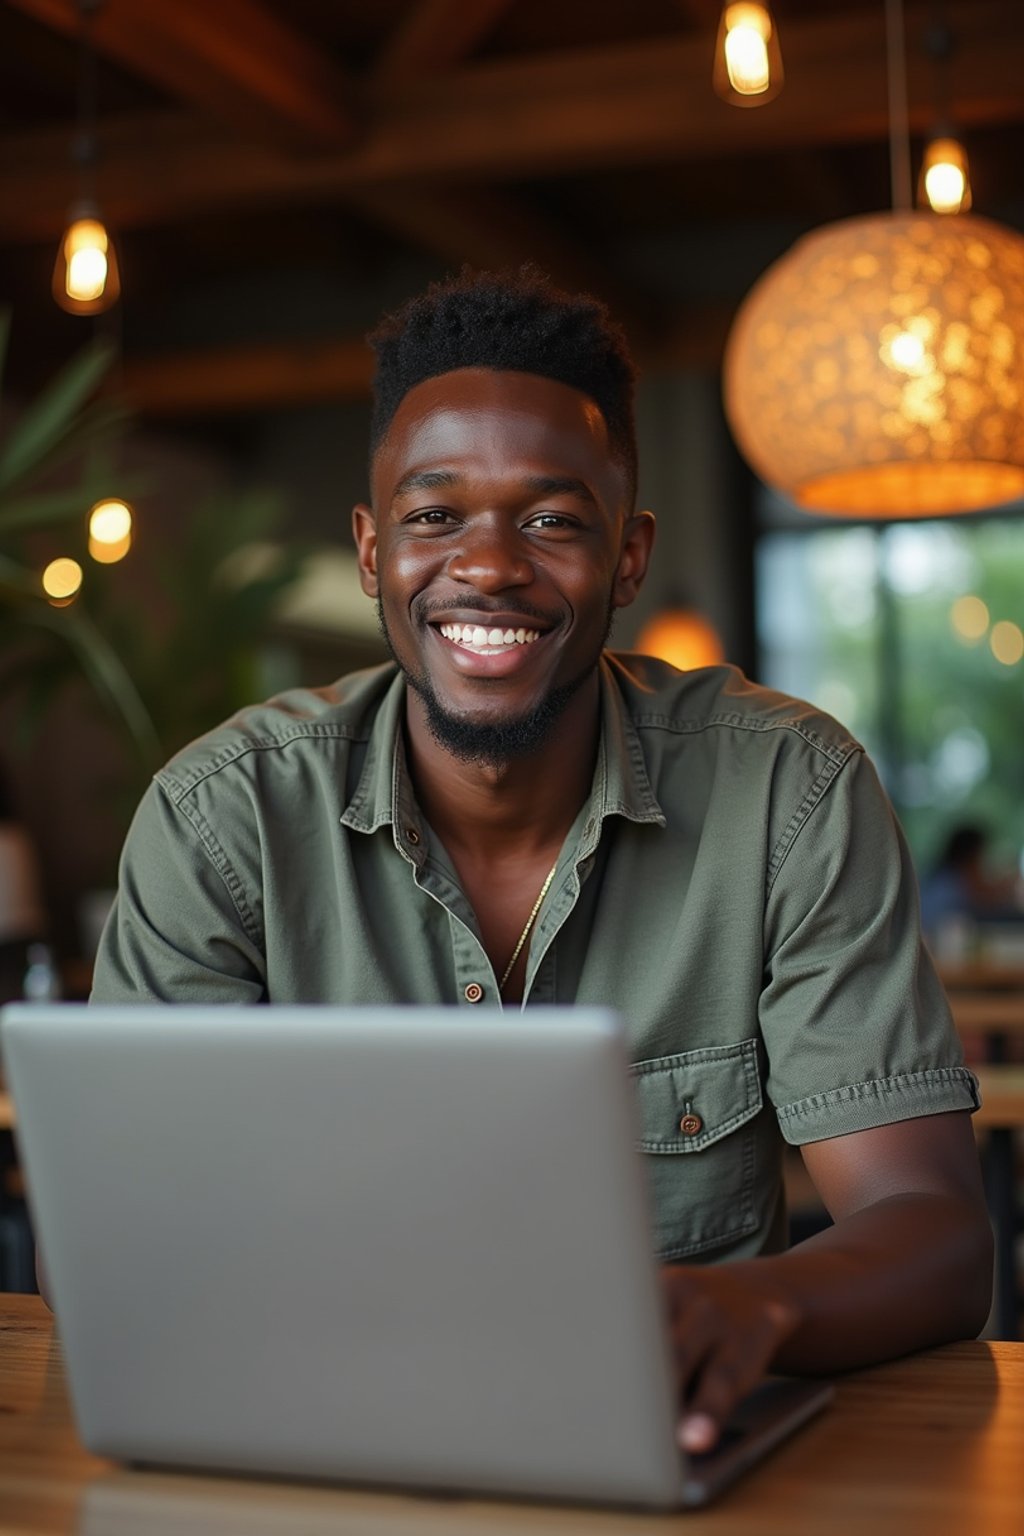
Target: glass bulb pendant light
877	369
748	60
86	279
945	184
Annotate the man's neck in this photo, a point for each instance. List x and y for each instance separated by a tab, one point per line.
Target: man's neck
522	805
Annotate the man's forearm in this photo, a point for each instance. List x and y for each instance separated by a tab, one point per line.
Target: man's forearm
903	1274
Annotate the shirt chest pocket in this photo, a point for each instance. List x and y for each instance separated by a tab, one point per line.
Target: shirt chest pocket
697	1113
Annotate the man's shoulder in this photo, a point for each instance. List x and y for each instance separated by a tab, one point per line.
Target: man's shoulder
344	712
660	698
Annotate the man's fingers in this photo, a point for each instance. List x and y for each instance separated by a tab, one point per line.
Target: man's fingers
728	1370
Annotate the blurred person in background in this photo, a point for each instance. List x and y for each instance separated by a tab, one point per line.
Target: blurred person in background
961	892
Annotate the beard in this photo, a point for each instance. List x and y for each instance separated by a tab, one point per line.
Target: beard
498	742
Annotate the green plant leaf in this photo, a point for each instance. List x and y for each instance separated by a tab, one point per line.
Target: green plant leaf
107	674
17	582
45	507
96	428
50	418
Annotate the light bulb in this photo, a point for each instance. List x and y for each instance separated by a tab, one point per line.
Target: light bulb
85	276
945	181
746	51
61	581
110	522
748	63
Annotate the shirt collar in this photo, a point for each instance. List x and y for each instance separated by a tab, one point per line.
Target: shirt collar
621	785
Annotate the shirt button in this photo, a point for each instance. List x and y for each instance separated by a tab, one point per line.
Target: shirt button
412	835
474	992
691	1124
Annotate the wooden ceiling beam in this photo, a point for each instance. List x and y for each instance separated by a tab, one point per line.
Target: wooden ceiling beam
236	59
228	380
490	229
234	380
539	117
435	35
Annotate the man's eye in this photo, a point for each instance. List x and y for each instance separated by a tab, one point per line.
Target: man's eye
555	521
431	515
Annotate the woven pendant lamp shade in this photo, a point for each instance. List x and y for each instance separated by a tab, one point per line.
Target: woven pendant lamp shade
877	370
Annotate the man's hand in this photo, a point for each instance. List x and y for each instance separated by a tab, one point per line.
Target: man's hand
907	1265
725	1334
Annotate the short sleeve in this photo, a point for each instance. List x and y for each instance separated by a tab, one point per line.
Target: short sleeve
180	930
856	1026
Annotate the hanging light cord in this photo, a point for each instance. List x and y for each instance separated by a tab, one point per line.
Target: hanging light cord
84	144
899	120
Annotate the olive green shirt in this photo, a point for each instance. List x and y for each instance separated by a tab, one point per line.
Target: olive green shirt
736	885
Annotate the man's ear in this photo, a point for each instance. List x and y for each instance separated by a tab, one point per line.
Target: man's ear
637	542
364	531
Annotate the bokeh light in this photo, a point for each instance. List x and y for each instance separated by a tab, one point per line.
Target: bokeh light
61	580
1007	642
970	618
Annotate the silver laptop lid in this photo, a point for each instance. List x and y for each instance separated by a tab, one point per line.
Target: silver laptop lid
388	1245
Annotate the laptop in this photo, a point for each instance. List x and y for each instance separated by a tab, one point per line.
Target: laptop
389	1246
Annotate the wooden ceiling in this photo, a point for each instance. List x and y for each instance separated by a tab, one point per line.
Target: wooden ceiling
247	141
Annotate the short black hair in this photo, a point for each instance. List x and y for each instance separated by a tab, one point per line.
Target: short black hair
515	320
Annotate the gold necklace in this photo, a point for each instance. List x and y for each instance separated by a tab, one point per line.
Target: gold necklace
529	924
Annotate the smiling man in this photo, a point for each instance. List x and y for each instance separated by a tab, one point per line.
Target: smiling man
511	814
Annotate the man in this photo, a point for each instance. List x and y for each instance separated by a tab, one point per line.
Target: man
512	814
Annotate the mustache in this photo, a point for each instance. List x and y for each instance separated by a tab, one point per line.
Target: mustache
426	613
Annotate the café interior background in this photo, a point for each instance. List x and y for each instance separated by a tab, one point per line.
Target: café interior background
275	175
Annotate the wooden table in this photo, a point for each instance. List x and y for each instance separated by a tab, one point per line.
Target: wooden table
930	1446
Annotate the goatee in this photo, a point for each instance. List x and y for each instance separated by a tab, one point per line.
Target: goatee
499	742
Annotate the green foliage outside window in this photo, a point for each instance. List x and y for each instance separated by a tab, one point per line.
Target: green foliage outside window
861	621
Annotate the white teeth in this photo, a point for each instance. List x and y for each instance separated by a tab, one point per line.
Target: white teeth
478	638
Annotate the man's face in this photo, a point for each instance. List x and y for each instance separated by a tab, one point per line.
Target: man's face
499	542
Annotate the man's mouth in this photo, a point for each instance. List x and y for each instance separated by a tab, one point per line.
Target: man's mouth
487	642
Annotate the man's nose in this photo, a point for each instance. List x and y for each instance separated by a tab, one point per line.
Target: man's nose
491	559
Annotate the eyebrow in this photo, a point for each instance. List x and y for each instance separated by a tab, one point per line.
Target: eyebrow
539	485
427	480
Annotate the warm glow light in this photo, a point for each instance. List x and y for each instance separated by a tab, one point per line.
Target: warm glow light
105	553
85	250
970	618
61	580
945	187
905	351
877	370
1007	642
748	63
85	277
682	637
945	182
748	29
110	522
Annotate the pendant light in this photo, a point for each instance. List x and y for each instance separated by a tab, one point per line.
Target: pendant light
877	370
945	181
86	279
748	61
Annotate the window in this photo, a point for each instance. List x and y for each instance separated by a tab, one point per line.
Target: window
910	633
